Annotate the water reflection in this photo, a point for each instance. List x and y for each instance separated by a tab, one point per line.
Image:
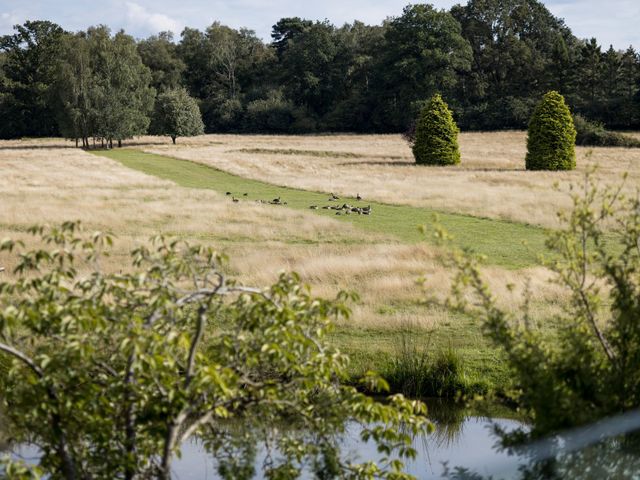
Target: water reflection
466	448
471	445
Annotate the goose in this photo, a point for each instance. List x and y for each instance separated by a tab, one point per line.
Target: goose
313	207
235	200
334	196
358	197
245	194
228	193
327	207
367	208
276	201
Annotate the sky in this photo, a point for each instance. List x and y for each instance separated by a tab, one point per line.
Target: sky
612	22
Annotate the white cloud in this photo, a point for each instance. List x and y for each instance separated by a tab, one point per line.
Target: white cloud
142	19
8	20
614	22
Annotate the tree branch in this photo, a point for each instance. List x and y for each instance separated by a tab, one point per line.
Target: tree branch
194	345
23	358
130	417
68	465
585	301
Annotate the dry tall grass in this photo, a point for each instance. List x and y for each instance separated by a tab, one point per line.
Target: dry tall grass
44	182
490	182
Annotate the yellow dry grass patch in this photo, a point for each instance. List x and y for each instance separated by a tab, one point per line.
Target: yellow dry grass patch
388	276
490	182
53	185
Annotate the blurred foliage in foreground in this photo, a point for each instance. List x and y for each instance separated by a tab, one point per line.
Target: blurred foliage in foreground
111	373
591	368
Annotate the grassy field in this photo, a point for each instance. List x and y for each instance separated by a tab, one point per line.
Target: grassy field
490	182
508	244
380	256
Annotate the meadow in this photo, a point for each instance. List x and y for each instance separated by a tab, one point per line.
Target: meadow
489	203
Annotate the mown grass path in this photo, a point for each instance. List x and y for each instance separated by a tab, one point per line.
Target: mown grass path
507	244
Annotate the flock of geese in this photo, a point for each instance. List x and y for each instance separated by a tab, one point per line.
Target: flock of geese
344	209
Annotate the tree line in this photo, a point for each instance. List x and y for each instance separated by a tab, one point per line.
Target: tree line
491	60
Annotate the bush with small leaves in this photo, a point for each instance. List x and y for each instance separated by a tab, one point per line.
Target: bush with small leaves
552	135
436	135
111	373
587	367
594	134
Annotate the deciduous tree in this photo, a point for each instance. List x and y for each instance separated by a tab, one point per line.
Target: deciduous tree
176	114
30	57
424	53
159	54
111	373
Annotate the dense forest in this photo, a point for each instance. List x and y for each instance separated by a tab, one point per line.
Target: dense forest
491	60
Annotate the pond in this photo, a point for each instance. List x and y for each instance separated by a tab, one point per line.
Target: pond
473	446
465	447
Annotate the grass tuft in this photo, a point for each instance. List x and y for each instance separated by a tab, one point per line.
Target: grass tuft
417	372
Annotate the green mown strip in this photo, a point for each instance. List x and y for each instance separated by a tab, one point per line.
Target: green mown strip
508	244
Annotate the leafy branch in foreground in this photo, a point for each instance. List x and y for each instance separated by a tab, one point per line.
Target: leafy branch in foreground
111	373
590	367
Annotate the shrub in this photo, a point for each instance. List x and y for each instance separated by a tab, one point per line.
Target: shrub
594	134
222	115
436	135
552	135
589	367
271	114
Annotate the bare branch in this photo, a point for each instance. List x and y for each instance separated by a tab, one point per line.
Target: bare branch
193	428
585	301
23	358
194	345
130	415
106	367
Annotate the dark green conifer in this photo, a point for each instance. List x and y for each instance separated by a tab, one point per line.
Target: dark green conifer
552	135
436	138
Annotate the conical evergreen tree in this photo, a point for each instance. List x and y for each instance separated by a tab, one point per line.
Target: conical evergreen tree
436	139
552	135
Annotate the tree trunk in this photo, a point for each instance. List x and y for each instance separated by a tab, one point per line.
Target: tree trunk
76	142
173	137
111	143
119	143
